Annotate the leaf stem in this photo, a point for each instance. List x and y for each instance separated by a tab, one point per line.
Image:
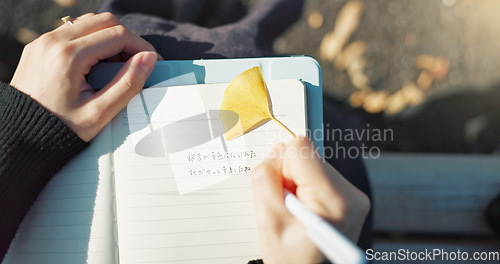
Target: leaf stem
283	126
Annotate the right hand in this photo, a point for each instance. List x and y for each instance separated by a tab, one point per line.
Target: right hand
52	71
318	186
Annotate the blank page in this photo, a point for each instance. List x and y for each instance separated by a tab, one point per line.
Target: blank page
183	193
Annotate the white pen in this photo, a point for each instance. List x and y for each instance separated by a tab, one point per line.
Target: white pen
334	245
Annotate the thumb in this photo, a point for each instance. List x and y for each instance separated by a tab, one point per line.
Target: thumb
267	188
127	83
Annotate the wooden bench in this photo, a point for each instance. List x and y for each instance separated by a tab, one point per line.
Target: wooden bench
433	201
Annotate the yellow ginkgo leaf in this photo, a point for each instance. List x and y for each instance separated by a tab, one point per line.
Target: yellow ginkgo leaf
246	96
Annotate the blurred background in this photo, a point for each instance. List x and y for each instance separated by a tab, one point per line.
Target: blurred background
427	69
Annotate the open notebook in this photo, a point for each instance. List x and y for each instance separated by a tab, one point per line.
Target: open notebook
160	184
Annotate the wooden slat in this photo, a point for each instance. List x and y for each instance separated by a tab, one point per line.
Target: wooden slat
432	193
417	245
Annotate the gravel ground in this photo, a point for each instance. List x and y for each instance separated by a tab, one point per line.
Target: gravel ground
467	33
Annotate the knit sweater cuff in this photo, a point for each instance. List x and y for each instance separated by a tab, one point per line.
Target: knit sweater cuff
34	145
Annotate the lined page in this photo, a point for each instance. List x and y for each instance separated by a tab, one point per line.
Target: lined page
183	193
72	220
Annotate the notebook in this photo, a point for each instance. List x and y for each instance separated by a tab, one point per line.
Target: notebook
160	184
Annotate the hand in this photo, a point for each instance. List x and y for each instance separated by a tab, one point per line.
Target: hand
52	71
319	186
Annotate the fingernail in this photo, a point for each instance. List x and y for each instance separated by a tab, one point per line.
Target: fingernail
148	61
276	151
160	58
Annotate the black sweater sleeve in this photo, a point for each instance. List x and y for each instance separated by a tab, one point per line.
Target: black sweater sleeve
34	145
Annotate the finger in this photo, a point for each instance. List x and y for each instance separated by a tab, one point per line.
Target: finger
108	42
73	20
84	16
267	187
90	23
80	18
302	163
125	85
316	183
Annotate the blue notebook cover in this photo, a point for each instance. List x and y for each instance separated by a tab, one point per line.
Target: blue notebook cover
303	68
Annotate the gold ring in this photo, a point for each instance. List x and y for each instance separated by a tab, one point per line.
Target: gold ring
67	19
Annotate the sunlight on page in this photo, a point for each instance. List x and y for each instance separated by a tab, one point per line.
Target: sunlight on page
183	193
193	145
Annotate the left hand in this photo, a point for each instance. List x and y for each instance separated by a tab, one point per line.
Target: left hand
52	71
